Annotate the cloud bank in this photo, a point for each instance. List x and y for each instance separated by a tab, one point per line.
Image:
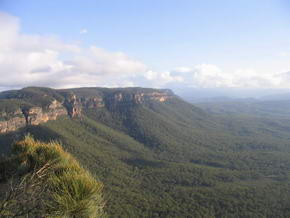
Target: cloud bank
37	60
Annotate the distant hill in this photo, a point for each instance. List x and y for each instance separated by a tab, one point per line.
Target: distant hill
259	108
196	95
222	99
157	155
277	97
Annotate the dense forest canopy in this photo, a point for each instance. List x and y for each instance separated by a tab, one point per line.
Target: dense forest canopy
171	158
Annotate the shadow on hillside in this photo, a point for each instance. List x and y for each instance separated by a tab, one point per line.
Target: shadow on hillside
38	132
137	162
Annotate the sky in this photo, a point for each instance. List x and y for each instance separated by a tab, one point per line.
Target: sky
241	44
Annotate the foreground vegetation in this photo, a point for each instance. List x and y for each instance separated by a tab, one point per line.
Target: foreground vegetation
218	176
46	181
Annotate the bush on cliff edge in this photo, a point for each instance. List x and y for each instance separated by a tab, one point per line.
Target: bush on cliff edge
51	183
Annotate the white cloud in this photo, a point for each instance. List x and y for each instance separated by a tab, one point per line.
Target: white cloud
211	76
40	60
202	75
83	31
283	54
97	60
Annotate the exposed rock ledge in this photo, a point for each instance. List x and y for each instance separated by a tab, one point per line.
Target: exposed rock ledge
72	103
15	121
31	116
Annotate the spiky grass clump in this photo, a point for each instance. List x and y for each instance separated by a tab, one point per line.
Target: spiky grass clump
75	195
71	190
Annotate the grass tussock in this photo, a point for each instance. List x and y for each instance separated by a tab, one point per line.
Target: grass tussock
71	191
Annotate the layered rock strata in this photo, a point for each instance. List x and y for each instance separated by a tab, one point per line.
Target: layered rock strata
73	105
30	116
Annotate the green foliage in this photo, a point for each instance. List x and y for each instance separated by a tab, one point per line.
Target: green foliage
75	195
171	159
177	171
70	190
93	91
9	107
36	96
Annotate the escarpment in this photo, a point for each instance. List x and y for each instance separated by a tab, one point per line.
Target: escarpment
11	121
37	115
121	98
34	105
73	106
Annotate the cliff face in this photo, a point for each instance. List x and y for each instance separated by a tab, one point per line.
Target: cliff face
37	115
120	98
93	102
72	104
11	122
30	116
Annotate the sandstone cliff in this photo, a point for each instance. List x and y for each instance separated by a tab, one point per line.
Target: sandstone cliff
37	115
30	116
48	104
11	122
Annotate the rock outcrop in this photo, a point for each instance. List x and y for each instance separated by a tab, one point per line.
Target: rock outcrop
120	98
30	116
72	104
93	102
38	115
12	121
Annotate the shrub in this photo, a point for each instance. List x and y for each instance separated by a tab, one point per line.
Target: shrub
70	190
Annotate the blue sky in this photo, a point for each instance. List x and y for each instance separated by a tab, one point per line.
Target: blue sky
202	43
